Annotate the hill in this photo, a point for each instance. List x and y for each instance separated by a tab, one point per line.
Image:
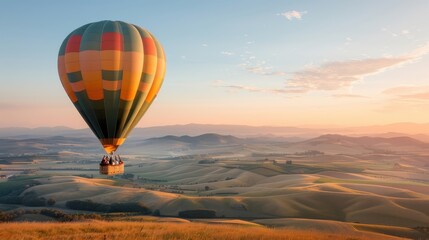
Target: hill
334	178
204	139
368	141
340	144
171	145
361	199
419	131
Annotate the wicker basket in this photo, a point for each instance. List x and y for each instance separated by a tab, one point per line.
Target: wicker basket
112	169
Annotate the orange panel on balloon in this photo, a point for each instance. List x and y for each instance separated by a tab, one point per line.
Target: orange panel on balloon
132	71
132	61
64	80
94	85
71	61
150	63
157	82
111	60
90	61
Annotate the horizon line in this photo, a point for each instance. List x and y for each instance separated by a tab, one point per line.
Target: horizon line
241	125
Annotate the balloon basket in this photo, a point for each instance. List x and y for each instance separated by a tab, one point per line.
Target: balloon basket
112	169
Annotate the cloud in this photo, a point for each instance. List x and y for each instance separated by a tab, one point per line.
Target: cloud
220	83
336	75
339	74
204	45
345	95
406	89
290	15
264	70
405	98
348	41
253	65
408	93
416	96
403	32
261	90
227	53
242	87
332	75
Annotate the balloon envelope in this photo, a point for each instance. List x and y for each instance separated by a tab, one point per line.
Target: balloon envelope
112	72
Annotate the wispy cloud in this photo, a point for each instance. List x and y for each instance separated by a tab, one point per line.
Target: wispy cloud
261	90
347	95
348	41
204	45
403	32
264	70
408	93
417	96
290	15
332	75
336	75
253	65
227	53
340	74
405	98
242	87
237	87
405	89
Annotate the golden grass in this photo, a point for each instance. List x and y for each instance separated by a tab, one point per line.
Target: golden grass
94	230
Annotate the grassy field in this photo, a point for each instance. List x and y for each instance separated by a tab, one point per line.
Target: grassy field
364	181
149	230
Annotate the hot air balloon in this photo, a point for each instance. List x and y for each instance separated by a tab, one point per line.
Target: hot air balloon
112	72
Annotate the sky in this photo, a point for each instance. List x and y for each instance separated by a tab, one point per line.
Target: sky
246	62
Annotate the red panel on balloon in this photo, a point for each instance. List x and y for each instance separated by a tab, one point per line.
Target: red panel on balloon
149	46
112	41
74	43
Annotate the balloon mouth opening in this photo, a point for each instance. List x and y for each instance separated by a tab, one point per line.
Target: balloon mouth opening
111	144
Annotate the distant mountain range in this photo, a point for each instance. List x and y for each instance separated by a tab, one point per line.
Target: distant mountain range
414	130
206	143
369	141
321	143
208	138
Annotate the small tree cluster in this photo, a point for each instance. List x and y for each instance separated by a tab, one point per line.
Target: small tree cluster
57	215
32	200
11	200
199	213
89	205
